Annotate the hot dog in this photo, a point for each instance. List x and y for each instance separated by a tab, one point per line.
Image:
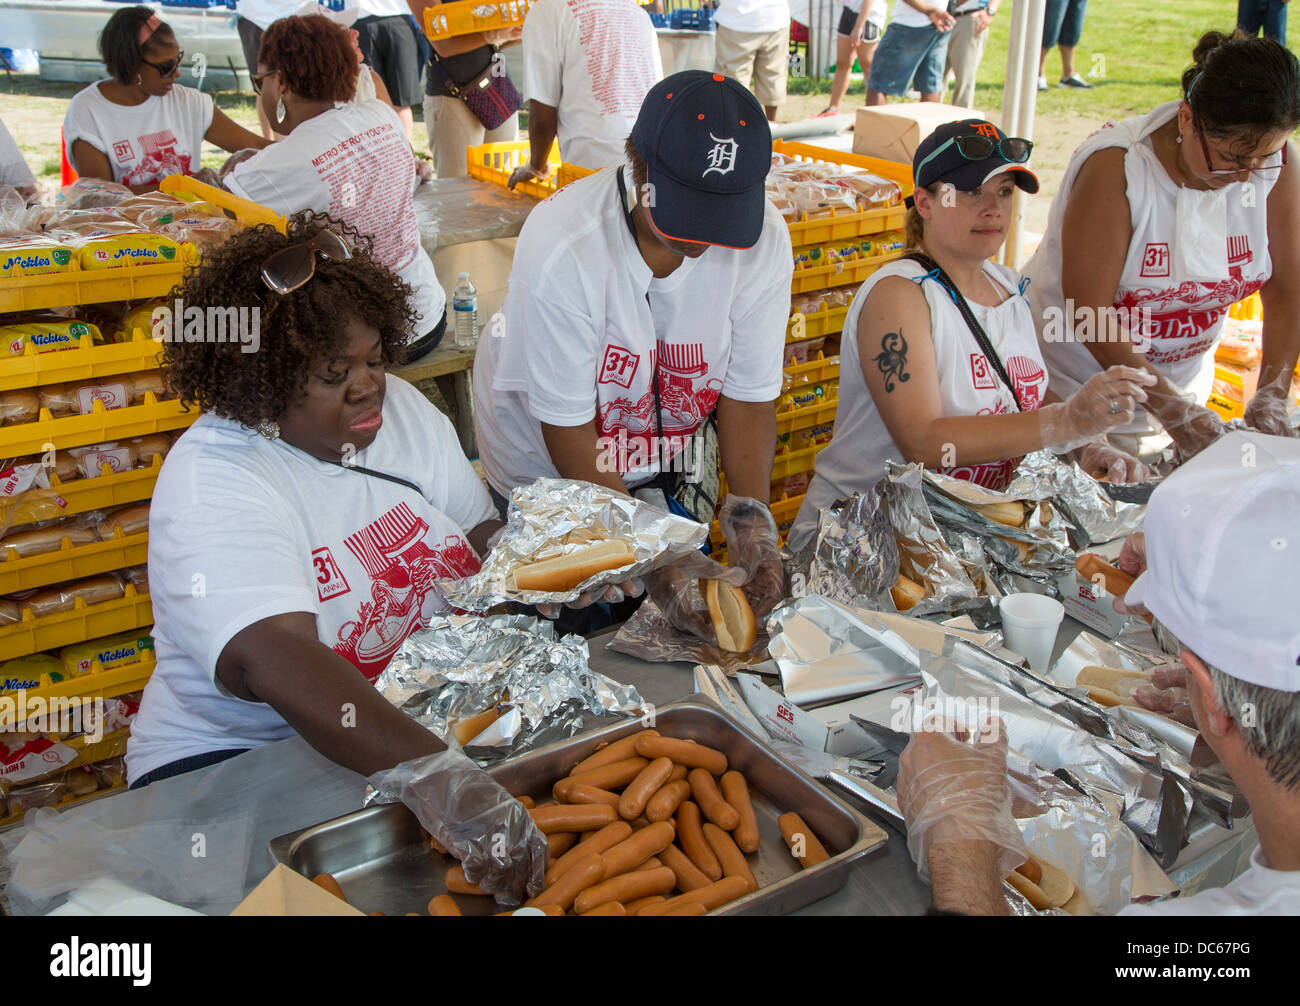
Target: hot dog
628	887
327	881
635	850
669	797
457	884
599	841
527	801
608	908
444	905
577	817
732	617
688	908
709	799
583	793
1089	566
567	571
635	906
584	874
618	751
686	753
470	727
729	854
798	835
690	836
715	895
689	876
735	790
544	909
639	791
615	775
654	862
560	842
678	772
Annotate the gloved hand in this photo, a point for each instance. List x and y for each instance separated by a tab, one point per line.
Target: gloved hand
1105	401
675	590
423	171
1167	694
504	36
1193	427
526	172
1267	410
1099	459
953	788
615	593
208	177
753	545
474	818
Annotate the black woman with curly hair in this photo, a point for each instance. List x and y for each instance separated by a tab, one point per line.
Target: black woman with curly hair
297	532
349	159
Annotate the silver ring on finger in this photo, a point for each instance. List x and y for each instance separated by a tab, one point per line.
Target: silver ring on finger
1114	409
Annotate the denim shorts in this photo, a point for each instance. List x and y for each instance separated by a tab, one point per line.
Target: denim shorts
1063	22
909	57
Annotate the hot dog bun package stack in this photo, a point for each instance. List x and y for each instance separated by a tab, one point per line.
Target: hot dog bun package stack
565	537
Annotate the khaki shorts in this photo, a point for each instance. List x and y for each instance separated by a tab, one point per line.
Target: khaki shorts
762	56
453	129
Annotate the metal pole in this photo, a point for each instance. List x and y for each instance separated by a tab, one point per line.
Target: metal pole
1025	83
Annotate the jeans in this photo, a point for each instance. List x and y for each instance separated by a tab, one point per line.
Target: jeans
1267	14
909	57
1063	23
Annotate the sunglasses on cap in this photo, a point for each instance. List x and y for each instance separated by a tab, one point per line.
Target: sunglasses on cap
168	68
974	147
291	267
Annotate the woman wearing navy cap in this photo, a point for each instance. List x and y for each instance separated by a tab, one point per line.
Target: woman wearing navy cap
939	359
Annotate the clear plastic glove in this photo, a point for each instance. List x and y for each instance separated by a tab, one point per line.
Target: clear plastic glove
1133	561
953	788
675	590
526	173
504	36
1267	410
208	177
474	818
1193	427
754	546
1167	694
615	593
423	171
1100	460
1105	401
234	160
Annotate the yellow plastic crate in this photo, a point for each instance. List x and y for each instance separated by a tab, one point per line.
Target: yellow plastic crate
109	489
83	363
824	368
73	563
837	226
66	802
795	462
567	173
807	417
110	746
493	162
827	321
95	286
1226	407
447	20
246	212
1250	309
853	272
33	635
98	427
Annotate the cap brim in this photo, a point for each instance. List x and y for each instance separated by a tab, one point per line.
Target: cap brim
1137	594
682	213
1024	178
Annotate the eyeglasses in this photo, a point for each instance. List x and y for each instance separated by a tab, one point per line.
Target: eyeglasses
291	267
168	68
1266	171
256	78
974	147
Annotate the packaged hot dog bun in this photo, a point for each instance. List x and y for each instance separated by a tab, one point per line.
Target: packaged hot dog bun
31	255
146	447
40	540
1111	686
733	619
22	405
145	380
30	668
1011	514
132	519
567	571
47	335
906	593
93	589
1053	889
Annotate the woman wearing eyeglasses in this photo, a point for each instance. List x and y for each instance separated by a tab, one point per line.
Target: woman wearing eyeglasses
939	363
299	528
141	126
350	159
1169	219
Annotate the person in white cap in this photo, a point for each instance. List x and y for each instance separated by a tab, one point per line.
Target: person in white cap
1230	510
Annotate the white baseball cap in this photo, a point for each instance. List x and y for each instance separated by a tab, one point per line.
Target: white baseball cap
344	18
1223	558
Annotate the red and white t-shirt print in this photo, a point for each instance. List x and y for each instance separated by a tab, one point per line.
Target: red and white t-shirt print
687	396
161	157
402	566
1029	380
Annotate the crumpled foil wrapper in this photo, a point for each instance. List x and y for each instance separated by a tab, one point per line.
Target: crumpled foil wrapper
552	517
826	650
461	664
650	636
1096	518
852	559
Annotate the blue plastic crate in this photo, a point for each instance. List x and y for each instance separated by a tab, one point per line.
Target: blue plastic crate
658	20
200	4
699	20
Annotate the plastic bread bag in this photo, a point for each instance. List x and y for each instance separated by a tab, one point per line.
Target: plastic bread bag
33	255
49	536
63	597
53	218
136	206
19	405
47	333
207	232
113	249
87	193
16	217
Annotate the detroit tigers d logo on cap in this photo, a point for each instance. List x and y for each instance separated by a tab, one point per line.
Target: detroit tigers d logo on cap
721	156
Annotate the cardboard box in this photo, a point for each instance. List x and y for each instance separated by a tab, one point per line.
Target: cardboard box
892	132
1086	602
286	892
890	707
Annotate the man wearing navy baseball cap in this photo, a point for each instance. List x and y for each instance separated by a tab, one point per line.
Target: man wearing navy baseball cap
1217	564
645	301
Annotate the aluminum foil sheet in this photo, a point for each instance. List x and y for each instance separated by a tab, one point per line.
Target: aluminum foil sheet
460	665
852	559
1095	515
650	636
1040	550
826	650
552	517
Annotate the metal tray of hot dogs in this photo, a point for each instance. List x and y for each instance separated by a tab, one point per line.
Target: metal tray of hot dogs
381	857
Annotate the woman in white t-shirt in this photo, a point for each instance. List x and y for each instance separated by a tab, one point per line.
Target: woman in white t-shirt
298	530
350	159
916	384
141	126
1164	221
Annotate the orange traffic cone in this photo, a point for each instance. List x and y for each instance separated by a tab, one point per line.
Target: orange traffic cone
66	175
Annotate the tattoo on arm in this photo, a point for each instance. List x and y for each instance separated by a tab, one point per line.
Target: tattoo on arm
892	359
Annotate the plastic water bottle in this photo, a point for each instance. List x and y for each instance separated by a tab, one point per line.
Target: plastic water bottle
464	304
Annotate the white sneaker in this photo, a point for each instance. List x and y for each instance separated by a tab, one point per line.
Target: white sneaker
1042	83
1074	80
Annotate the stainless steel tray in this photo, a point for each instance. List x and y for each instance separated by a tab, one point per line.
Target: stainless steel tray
381	858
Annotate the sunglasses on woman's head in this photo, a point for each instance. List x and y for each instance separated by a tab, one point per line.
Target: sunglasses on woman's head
292	267
974	147
168	68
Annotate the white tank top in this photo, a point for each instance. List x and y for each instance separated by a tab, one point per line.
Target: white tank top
1182	303
968	386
